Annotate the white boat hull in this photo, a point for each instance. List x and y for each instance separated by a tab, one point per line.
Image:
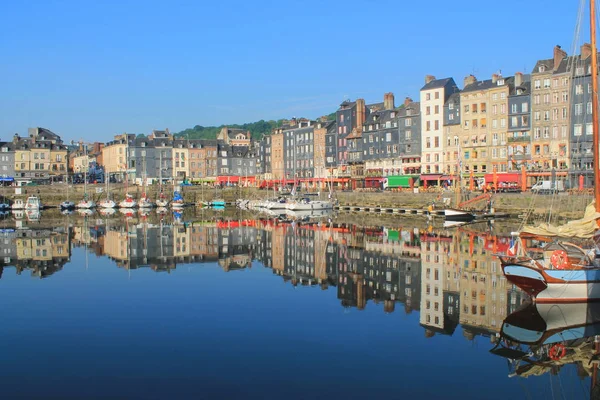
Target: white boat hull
86	204
162	203
310	206
555	286
128	204
146	204
108	204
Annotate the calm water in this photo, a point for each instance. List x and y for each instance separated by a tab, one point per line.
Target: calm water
108	308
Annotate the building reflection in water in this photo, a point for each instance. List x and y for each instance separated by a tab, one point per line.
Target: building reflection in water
452	277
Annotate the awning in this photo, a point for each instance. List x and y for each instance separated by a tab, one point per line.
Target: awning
225	179
433	177
374	178
503	177
447	178
7	179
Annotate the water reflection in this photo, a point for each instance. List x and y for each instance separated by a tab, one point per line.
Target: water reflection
542	339
451	276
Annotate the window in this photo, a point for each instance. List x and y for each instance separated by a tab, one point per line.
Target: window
436	124
494	109
428	96
502	123
407	135
537	84
437	95
589	107
577	129
578	109
427	110
513	108
407	122
588	129
428	126
579	89
547	83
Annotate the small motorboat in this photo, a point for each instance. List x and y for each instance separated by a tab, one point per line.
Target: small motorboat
67	205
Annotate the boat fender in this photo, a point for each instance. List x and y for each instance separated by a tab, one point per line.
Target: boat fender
559	259
557	351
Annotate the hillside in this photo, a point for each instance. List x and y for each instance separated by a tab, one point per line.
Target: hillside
258	129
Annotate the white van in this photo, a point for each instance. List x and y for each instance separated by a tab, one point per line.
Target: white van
542	187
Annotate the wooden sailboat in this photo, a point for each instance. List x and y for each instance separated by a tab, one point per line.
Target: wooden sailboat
566	273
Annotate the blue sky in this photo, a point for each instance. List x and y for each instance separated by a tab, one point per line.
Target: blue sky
94	69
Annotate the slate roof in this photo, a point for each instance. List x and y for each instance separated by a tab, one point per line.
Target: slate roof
414	106
454	98
548	63
487	84
437	83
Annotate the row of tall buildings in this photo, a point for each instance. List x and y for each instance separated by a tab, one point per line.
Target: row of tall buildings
538	122
450	278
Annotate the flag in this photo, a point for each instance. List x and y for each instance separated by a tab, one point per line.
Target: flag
512	250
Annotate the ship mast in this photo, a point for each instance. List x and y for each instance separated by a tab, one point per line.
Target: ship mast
595	149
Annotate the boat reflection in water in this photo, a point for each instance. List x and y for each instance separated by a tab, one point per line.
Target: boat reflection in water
543	338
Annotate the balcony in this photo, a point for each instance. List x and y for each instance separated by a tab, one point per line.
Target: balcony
519	139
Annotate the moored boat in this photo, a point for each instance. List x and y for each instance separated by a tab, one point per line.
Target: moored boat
128	202
33	203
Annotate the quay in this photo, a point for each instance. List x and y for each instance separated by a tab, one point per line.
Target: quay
402	203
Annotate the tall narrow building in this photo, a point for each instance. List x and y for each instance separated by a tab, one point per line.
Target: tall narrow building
434	95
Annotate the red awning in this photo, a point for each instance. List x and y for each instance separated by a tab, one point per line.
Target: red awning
503	177
435	177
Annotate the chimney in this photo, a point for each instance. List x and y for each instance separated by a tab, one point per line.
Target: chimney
559	54
388	101
586	51
494	78
518	79
360	112
429	78
469	80
407	101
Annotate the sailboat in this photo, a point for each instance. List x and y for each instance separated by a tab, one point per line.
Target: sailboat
67	205
565	272
108	202
145	202
162	200
85	203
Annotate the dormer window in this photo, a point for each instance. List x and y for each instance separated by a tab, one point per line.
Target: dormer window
542	68
500	82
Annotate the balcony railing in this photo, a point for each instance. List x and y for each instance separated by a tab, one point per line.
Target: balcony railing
519	139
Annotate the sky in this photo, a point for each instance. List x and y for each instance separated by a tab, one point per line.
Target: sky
90	70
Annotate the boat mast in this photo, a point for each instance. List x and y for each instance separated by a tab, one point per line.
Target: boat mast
595	103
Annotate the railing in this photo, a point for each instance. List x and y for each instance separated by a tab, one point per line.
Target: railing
519	139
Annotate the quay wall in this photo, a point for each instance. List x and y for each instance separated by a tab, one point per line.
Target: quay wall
563	204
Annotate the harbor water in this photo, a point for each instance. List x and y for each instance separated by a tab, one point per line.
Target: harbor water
237	306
